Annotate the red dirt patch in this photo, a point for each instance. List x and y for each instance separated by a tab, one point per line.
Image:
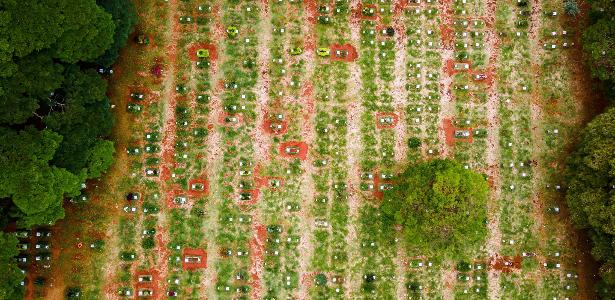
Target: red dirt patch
449	131
257	244
194	265
400	6
302	151
310	7
213	53
153	285
505	264
357	14
270	126
196	193
447	33
379	194
352	52
386	114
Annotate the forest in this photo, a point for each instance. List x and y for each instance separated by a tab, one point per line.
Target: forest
55	117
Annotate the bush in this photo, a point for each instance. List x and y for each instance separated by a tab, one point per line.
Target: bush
414	142
148	243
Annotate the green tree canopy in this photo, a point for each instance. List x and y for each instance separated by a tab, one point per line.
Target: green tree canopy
36	188
81	115
591	190
125	17
11	275
72	31
599	44
440	206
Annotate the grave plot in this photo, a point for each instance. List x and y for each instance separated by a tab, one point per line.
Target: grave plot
194	259
293	149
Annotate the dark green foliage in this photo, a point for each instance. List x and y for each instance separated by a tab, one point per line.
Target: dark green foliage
598	43
591	191
35	187
67	30
124	16
414	142
54	115
84	119
148	243
11	275
441	207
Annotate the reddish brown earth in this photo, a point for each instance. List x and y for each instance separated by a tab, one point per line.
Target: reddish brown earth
505	264
303	149
194	193
312	11
194	252
447	34
352	52
257	245
357	13
449	130
213	52
386	114
153	285
400	6
267	126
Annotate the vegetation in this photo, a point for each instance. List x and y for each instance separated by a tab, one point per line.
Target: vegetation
441	207
54	112
11	275
590	193
598	40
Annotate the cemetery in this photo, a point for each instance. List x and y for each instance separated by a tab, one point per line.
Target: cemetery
329	149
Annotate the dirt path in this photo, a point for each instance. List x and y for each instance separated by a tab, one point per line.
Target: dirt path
492	158
355	110
262	140
535	121
400	102
400	97
168	136
308	190
447	104
215	164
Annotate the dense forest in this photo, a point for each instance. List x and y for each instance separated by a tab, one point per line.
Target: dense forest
55	116
591	169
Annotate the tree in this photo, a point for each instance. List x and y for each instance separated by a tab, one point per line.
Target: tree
11	275
84	118
100	158
124	16
36	188
440	206
73	30
599	44
590	194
